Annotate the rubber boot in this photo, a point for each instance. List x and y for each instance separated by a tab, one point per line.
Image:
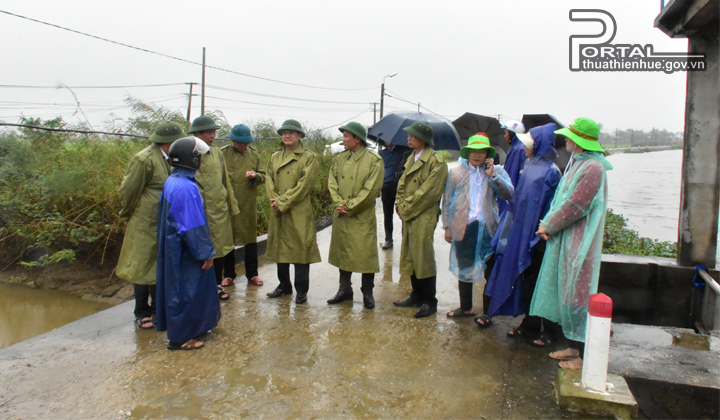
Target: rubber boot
368	283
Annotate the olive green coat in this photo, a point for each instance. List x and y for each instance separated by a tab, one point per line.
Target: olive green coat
355	180
140	194
290	181
418	204
245	190
218	200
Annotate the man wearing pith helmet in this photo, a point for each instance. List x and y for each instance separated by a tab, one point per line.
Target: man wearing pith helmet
573	229
140	194
291	174
355	180
247	174
418	206
213	180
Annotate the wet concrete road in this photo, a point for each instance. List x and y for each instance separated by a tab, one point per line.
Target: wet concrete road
271	358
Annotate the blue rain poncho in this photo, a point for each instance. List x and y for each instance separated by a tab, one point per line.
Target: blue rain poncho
515	240
514	162
187	299
571	266
456	211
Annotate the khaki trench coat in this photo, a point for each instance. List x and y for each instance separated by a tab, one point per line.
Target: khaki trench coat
218	199
245	190
290	181
140	194
355	180
418	204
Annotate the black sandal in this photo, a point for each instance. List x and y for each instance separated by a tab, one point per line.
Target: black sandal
459	313
142	321
543	341
222	294
516	333
482	321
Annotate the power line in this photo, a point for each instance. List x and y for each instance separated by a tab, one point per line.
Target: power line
62	130
349	119
176	58
91	87
267	95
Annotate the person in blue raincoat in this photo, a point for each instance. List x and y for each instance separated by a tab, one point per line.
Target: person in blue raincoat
188	303
515	159
518	251
573	229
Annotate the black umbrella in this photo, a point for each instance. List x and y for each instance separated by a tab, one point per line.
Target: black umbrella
470	124
536	120
390	129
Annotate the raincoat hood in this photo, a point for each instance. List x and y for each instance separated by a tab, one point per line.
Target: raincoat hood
544	142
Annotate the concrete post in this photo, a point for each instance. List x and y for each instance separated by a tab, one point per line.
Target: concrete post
700	191
597	343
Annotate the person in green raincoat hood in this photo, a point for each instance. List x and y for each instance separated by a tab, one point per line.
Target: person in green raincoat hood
140	194
291	174
418	205
355	180
573	229
247	174
219	201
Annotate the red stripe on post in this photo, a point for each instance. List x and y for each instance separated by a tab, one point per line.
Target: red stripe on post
600	305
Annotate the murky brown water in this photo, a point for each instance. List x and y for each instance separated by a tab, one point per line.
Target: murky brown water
26	312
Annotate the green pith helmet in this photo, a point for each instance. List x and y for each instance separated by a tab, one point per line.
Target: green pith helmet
355	128
167	132
479	141
241	134
423	131
291	125
584	132
203	123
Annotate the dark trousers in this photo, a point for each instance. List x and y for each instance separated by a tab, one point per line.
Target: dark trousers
368	282
228	264
489	264
302	277
532	324
144	300
465	255
220	264
389	191
577	345
423	290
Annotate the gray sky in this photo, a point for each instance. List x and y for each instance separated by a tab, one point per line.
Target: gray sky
504	57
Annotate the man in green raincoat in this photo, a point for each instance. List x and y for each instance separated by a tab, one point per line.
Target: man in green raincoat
418	204
219	201
140	193
291	174
355	180
247	174
573	229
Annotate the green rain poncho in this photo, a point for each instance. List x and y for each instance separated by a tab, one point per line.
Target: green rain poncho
245	189
140	194
571	266
218	199
355	180
290	180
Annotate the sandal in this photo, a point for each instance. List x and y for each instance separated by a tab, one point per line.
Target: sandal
188	345
574	364
482	321
567	354
543	341
516	333
227	281
459	313
142	323
255	281
222	294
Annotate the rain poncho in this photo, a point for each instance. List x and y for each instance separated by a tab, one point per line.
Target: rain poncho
514	163
571	266
515	239
355	180
464	184
187	299
291	177
140	194
245	190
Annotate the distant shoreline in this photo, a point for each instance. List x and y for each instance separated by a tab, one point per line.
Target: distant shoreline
641	149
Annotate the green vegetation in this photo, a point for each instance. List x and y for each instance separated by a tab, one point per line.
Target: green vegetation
58	191
619	239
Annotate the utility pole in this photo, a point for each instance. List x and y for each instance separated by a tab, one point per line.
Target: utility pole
616	146
418	106
202	96
382	98
190	95
374	112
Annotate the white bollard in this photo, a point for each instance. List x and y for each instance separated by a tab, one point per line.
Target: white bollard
597	343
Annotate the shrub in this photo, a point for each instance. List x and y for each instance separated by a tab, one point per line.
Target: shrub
619	239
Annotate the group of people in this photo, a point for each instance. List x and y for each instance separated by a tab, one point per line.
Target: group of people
532	233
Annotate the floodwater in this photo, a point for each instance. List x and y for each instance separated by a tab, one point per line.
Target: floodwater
26	312
272	358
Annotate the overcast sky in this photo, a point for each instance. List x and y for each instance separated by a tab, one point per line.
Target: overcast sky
501	57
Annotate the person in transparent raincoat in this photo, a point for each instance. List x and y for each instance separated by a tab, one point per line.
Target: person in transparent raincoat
470	215
573	229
